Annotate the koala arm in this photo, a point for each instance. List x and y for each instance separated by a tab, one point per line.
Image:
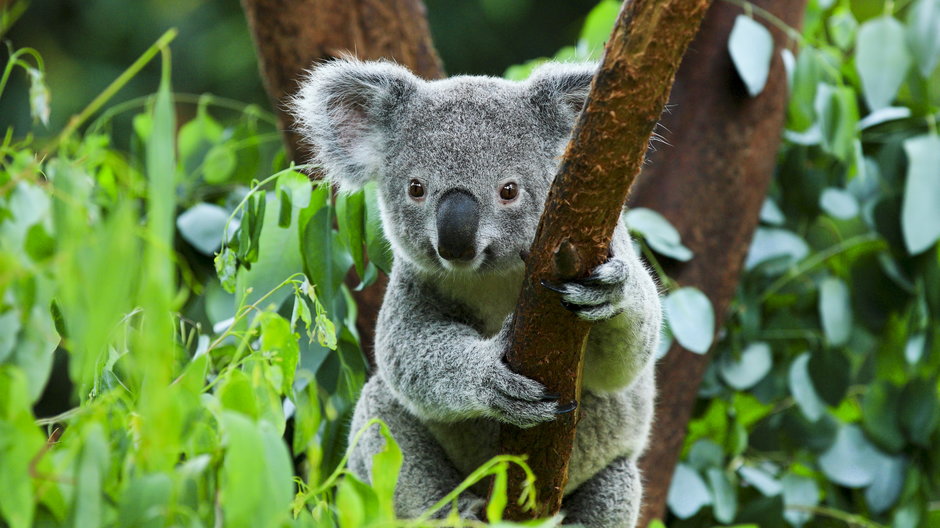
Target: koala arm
621	299
619	348
442	369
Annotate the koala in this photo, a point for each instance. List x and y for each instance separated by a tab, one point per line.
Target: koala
463	167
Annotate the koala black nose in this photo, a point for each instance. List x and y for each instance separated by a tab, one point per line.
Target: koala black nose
458	217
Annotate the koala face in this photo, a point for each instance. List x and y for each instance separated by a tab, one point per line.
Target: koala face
463	165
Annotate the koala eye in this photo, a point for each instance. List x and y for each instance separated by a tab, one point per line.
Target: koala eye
509	191
416	189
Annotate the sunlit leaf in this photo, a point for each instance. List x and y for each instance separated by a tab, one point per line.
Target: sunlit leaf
920	215
744	372
691	318
751	47
882	59
687	492
835	310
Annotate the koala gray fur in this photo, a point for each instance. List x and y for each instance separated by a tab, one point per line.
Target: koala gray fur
441	384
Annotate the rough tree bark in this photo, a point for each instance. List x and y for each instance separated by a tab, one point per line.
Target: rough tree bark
710	183
605	154
291	35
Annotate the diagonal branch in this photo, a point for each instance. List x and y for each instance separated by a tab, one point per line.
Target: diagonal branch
603	158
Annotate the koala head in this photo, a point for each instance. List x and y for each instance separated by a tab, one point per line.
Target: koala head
463	164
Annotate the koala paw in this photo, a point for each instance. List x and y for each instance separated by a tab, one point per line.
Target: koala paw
598	296
521	401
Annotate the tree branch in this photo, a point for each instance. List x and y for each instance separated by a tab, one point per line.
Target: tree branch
604	156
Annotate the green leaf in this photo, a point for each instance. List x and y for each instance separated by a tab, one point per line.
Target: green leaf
306	420
219	164
386	465
919	410
598	26
751	47
744	372
880	412
236	393
762	480
920	215
378	249
691	318
256	474
835	311
837	113
851	461
913	349
838	203
658	233
801	386
882	60
20	442
726	498
705	454
799	491
9	328
203	226
91	468
350	217
806	77
885	489
687	492
39	245
842	27
773	243
277	337
316	245
145	503
923	32
830	373
225	267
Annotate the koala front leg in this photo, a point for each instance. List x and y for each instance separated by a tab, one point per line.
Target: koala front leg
610	499
426	473
621	298
441	368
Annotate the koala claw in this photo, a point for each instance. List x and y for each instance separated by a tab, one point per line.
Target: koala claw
598	296
567	408
519	400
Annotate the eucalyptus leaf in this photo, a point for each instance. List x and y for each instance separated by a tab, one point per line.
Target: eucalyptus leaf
687	492
203	226
885	489
751	47
835	310
799	491
770	213
725	496
882	59
923	32
920	213
658	233
691	318
762	480
744	372
801	387
838	203
851	461
770	243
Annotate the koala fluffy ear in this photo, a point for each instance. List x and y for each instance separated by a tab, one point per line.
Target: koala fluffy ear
558	90
344	111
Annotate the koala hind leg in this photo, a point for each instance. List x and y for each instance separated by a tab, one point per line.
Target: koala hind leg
426	473
609	499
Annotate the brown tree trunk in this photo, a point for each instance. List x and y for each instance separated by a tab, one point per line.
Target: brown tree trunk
710	183
584	204
292	35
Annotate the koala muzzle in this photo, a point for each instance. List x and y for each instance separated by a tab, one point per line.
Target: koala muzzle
458	216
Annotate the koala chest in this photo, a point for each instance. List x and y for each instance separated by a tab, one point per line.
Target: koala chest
490	298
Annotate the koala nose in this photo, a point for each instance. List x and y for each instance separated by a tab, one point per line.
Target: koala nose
458	217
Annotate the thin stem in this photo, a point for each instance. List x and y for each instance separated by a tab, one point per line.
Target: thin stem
771	19
113	88
832	513
818	259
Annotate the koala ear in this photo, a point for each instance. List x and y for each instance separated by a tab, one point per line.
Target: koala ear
558	90
344	111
